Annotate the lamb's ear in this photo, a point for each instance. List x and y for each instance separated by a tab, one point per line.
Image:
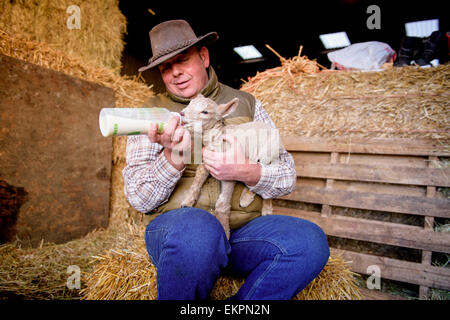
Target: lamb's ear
228	108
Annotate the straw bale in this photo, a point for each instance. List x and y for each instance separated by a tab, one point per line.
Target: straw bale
42	272
99	39
128	274
407	102
130	92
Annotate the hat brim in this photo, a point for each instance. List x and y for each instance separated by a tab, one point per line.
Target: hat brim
207	39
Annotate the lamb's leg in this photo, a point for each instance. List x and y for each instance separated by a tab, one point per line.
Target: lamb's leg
266	207
247	197
201	174
223	205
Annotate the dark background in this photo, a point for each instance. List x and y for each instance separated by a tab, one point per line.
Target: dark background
284	25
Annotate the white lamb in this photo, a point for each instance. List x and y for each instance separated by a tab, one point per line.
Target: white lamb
260	142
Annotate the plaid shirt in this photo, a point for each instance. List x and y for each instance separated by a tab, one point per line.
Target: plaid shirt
149	178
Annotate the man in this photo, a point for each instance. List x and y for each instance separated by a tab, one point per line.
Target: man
278	255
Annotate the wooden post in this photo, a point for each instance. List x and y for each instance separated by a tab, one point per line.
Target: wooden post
326	209
424	292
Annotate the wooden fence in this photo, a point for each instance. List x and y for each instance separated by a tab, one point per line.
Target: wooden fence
390	175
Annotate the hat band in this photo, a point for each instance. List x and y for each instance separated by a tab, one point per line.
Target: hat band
172	49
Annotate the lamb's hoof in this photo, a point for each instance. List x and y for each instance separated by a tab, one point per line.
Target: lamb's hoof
246	199
266	212
187	203
244	203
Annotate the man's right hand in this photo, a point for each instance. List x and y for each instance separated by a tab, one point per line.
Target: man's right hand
175	140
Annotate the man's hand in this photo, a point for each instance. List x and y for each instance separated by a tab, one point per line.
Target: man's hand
175	140
231	164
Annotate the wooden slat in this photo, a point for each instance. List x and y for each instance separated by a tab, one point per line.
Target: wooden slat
362	186
394	269
373	173
393	146
436	207
374	231
367	294
382	160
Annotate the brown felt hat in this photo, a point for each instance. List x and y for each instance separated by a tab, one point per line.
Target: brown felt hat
171	38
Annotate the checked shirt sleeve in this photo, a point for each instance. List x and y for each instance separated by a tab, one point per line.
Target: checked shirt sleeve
149	178
276	179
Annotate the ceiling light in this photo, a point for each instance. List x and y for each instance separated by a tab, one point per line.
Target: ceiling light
335	40
248	52
421	29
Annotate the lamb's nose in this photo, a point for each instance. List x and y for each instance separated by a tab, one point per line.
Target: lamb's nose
182	113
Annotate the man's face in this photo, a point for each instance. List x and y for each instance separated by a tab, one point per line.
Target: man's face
185	75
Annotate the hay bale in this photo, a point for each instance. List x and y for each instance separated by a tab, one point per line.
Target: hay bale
128	274
41	273
407	102
130	92
99	39
121	274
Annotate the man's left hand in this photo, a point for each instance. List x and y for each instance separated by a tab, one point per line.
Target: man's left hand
231	164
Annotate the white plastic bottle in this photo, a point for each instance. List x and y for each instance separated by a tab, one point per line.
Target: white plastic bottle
130	121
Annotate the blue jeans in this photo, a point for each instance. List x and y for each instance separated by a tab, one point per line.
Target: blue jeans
277	255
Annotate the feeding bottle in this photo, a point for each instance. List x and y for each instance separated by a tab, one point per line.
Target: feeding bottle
130	121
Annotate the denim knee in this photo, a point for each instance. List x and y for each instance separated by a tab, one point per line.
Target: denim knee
309	252
305	237
279	255
189	248
319	246
190	231
314	254
289	234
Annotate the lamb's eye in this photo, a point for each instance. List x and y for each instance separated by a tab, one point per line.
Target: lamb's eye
204	112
